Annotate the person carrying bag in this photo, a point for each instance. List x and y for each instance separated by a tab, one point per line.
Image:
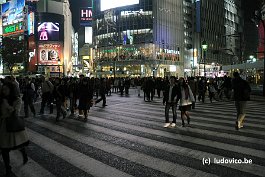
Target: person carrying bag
13	135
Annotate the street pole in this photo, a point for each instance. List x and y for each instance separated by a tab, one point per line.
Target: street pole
204	48
263	24
204	58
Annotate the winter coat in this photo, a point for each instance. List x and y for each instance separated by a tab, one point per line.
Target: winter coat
10	140
183	101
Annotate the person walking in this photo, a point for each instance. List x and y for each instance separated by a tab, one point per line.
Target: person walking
10	140
186	99
47	97
28	97
194	88
85	95
242	92
170	99
202	87
102	92
59	96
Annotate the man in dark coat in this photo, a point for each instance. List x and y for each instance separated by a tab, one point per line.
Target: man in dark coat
171	96
241	95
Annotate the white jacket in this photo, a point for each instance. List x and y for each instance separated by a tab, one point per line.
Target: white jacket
183	101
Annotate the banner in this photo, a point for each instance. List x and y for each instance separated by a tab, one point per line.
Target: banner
50	54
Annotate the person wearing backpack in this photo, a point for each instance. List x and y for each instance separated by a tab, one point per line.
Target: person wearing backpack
242	92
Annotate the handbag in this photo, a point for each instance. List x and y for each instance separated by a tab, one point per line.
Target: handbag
14	123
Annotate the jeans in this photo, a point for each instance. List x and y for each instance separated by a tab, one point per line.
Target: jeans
174	111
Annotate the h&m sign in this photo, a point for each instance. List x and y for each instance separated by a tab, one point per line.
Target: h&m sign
86	16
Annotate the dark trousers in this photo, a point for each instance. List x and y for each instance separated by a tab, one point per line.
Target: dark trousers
201	96
72	104
60	108
103	97
28	102
126	90
158	92
46	99
174	111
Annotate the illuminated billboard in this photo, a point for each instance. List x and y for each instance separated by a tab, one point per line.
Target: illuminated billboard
110	4
31	22
86	14
12	12
48	31
50	53
13	29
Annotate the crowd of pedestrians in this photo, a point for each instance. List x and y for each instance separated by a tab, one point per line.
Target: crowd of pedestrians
72	94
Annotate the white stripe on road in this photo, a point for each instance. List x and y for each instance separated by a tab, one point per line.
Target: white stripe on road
85	163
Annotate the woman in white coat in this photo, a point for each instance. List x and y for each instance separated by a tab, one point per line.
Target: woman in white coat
186	99
10	140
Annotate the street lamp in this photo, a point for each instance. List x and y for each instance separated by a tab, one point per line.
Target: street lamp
204	48
257	19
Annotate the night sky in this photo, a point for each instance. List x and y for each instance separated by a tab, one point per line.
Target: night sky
249	6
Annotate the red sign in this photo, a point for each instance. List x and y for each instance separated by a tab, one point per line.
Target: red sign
50	54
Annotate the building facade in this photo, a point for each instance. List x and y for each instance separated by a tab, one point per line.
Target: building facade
144	38
218	23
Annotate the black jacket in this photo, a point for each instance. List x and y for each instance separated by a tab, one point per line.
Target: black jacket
175	92
241	89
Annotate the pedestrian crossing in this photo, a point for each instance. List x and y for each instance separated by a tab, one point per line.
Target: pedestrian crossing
127	138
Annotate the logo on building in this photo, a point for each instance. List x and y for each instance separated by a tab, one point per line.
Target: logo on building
86	16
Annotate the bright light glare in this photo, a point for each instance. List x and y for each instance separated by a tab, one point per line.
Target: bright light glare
109	4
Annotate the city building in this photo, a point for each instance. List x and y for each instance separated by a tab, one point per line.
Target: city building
46	28
53	37
138	38
222	32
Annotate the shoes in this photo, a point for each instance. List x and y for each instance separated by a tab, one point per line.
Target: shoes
166	125
173	125
104	105
57	119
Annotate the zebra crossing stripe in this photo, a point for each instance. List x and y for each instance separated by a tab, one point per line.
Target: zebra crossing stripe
76	158
193	129
148	161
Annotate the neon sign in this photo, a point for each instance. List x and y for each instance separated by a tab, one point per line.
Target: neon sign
13	29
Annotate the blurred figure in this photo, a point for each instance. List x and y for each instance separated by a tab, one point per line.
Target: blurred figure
10	140
47	96
28	97
85	95
202	89
102	92
242	92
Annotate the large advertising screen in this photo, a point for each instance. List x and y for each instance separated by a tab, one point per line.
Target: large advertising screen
109	4
12	12
50	54
48	31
